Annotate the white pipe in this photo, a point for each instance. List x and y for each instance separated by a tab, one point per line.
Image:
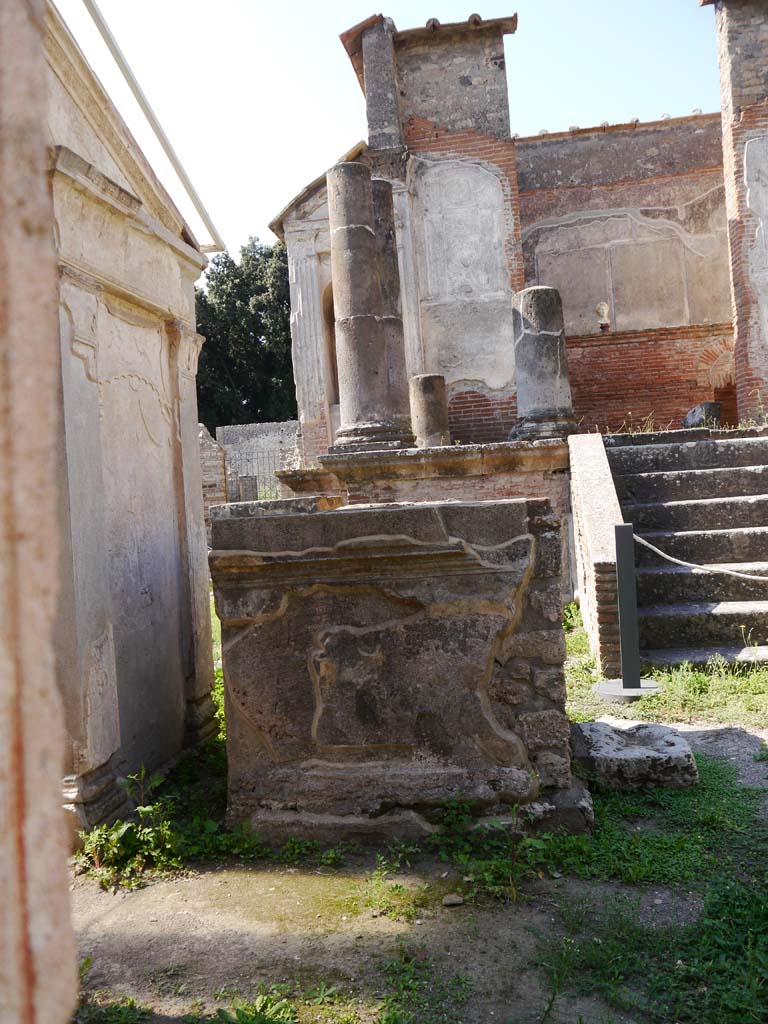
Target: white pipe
149	113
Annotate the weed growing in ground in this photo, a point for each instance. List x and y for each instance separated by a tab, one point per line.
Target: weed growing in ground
418	994
180	820
392	899
96	1008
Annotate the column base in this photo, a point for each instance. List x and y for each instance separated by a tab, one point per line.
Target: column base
388	435
200	722
94	798
530	428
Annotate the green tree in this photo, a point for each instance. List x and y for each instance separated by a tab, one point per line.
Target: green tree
245	373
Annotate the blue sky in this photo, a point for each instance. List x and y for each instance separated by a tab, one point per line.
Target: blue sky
258	97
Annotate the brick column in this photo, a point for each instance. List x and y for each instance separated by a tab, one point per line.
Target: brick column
742	34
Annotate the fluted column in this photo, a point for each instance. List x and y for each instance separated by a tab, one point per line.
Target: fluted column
367	420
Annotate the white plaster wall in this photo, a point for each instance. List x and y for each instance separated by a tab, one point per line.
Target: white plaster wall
134	642
461	222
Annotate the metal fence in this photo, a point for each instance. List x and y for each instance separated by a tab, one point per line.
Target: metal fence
251	474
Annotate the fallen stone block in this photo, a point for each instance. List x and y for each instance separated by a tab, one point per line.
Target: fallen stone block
632	755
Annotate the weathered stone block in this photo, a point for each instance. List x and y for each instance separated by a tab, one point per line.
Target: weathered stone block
362	658
632	755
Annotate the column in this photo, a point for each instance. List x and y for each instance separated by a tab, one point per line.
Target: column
195	627
391	320
429	410
544	405
38	979
381	89
742	35
367	422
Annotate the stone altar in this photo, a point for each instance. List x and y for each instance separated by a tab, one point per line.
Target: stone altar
380	660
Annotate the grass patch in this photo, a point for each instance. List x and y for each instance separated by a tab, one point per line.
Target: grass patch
719	692
658	836
418	994
96	1008
714	971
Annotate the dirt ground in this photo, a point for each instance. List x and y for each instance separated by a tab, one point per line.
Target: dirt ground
198	941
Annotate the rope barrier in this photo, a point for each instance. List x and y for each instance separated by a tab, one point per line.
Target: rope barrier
702	568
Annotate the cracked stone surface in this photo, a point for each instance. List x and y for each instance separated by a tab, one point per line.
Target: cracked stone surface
382	659
631	755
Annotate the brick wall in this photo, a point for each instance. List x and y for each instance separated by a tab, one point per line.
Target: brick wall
742	35
479	416
623	378
214	469
312	441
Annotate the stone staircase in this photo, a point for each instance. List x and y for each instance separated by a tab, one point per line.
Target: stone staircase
700	496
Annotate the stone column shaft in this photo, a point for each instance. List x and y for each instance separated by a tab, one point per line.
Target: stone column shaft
544	404
429	410
361	352
392	321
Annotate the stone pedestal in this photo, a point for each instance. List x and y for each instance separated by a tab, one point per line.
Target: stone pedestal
544	404
367	419
382	660
429	410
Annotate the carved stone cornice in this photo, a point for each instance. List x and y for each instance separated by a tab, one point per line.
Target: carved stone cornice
70	67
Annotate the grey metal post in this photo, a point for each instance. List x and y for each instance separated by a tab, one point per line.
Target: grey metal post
629	630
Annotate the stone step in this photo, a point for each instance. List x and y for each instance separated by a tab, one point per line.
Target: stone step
668	584
743	451
743	544
699	513
682	485
671	657
704	624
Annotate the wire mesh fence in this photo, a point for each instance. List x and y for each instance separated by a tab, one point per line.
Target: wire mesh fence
251	474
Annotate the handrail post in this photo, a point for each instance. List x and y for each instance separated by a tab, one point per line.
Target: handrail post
629	631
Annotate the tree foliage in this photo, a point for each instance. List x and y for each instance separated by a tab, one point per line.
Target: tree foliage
245	373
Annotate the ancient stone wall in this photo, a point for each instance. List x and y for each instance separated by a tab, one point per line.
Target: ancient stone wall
468	259
257	450
456	79
213	464
632	217
133	634
379	661
38	977
618	380
742	38
596	512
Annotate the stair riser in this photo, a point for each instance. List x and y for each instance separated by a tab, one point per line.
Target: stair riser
714	516
703	630
669	588
701	548
706	483
700	455
698	657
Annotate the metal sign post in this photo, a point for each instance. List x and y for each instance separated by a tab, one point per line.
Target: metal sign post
629	630
630	687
